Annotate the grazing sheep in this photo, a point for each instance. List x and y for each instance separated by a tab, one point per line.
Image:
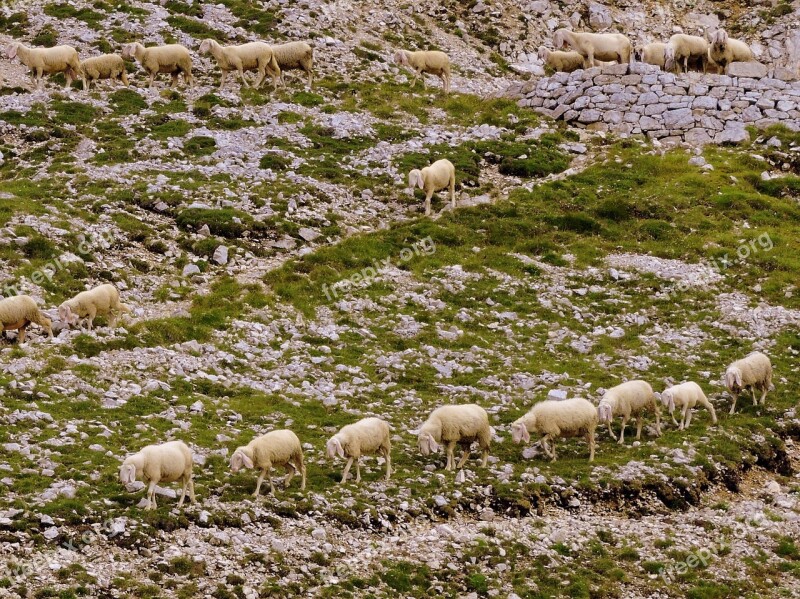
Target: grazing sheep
295	56
754	371
683	48
278	448
595	46
165	463
686	397
365	437
173	59
87	305
724	50
18	312
432	178
628	400
46	61
105	66
451	425
564	62
426	61
553	419
652	54
254	56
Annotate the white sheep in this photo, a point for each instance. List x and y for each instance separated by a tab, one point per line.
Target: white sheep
754	371
451	425
165	463
294	56
432	62
724	50
553	419
172	58
628	400
365	437
105	66
253	56
18	312
87	305
686	397
682	48
46	61
652	54
439	175
595	46
559	61
277	448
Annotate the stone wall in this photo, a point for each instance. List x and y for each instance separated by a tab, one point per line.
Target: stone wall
642	99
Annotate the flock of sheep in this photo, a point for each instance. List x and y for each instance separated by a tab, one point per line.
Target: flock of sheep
176	60
451	426
681	53
448	426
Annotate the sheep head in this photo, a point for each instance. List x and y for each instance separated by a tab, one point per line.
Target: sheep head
12	49
733	378
240	459
519	432
668	400
543	53
415	179
400	57
127	474
334	447
604	413
66	315
427	445
719	40
669	57
560	39
205	46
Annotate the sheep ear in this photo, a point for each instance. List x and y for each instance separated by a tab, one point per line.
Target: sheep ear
12	51
433	446
526	436
737	375
127	474
247	461
420	181
339	448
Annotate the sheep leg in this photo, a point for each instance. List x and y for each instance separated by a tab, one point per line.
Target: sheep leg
290	469
543	443
453	192
222	80
191	490
764	393
90	316
21	334
388	465
733	405
590	439
347	469
485	457
428	203
622	432
303	473
358	470
639	423
687	419
152	80
658	421
450	460
242	78
464	457
174	82
672	415
611	431
151	496
269	478
124	78
260	480
184	484
753	393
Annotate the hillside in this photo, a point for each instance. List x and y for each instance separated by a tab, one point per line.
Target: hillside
281	276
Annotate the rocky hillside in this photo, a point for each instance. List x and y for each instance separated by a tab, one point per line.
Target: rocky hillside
280	276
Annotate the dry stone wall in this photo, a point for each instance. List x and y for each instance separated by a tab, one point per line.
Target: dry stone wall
641	99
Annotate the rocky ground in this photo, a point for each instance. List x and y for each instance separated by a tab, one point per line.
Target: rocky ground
281	276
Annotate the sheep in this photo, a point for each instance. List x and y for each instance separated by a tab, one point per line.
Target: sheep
686	396
278	448
754	371
595	46
295	56
18	312
432	62
724	50
565	62
683	48
365	437
165	463
628	399
87	305
553	419
173	59
432	178
46	61
254	56
651	54
105	66
451	425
